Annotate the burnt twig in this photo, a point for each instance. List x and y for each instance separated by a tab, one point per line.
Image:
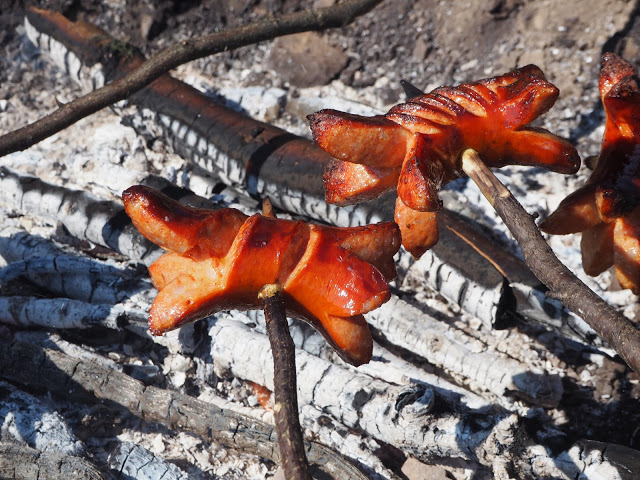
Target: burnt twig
613	327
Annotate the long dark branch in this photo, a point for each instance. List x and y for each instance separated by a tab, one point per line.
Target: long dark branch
613	327
269	27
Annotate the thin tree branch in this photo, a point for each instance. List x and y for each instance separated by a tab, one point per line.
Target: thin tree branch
613	327
265	29
285	408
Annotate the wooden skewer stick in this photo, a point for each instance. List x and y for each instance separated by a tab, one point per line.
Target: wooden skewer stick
285	409
613	327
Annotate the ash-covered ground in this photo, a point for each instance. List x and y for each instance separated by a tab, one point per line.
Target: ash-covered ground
428	43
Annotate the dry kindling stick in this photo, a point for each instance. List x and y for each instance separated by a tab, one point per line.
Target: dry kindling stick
613	327
175	55
285	409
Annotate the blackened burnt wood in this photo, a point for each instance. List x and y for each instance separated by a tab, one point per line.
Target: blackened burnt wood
267	28
619	332
19	462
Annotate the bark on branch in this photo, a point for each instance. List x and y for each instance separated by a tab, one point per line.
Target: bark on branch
175	55
562	283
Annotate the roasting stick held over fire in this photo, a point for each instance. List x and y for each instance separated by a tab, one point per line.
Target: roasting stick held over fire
285	410
562	283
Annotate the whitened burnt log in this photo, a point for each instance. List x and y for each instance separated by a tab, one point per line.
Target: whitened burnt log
133	462
464	278
59	313
398	323
86	217
405	326
18	462
62	313
190	186
512	348
78	278
399	415
102	222
17	245
410	328
64	272
87	381
496	440
589	459
360	449
488	370
384	364
28	420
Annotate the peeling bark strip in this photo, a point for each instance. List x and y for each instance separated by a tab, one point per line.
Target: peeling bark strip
251	155
23	463
87	381
465	278
510	276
